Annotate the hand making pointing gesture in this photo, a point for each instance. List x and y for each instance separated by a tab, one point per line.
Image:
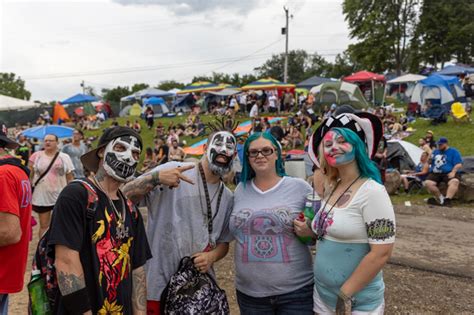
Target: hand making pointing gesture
173	176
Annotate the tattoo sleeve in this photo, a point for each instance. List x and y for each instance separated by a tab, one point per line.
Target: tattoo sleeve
139	291
138	188
70	283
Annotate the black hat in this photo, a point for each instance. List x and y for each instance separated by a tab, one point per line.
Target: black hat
9	143
367	126
90	160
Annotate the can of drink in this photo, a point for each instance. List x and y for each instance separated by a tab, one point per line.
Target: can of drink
313	203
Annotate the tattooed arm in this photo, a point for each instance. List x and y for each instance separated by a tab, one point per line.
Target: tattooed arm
139	291
138	188
69	272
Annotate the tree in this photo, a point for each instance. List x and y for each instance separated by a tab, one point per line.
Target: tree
343	66
169	85
139	86
301	65
384	29
12	86
115	94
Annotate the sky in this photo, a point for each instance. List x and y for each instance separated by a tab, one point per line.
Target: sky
54	45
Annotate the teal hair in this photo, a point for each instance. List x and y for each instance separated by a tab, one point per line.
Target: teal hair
367	167
247	171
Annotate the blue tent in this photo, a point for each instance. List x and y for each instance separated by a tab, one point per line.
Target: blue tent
439	89
455	70
153	101
438	79
80	98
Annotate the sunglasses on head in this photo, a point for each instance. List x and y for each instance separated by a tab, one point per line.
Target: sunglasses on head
265	152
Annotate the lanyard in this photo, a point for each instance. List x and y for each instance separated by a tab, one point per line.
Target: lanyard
210	217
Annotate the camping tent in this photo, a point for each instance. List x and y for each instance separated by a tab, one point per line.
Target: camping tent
79	98
145	93
377	81
267	84
339	93
403	155
408	79
439	89
225	92
312	82
12	103
158	105
455	70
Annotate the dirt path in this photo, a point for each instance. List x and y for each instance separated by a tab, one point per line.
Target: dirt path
436	239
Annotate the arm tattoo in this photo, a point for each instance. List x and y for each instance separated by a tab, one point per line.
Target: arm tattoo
70	283
138	188
139	290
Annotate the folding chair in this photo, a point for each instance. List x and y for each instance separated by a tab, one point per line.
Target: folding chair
459	113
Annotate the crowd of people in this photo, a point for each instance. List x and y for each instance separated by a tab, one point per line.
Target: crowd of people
107	262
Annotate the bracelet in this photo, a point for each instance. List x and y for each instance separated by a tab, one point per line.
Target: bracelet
345	297
155	178
77	302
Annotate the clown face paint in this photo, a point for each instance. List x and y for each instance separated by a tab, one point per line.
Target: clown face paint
337	151
220	152
121	157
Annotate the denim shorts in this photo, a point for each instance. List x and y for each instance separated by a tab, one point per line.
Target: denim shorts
298	302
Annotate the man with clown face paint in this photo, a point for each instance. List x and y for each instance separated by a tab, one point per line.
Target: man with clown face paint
188	210
100	254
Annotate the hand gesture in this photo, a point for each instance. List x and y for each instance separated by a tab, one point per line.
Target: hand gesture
173	176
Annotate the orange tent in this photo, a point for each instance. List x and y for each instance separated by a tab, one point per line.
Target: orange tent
59	113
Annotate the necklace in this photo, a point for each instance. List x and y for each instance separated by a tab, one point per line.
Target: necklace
121	230
210	217
323	217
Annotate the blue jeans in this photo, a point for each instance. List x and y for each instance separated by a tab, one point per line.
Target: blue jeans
298	302
3	304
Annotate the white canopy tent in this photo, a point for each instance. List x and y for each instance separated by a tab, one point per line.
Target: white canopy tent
11	103
407	78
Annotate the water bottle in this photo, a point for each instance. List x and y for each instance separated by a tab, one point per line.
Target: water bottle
38	296
307	240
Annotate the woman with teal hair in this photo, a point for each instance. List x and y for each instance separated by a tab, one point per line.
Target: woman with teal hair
355	225
273	268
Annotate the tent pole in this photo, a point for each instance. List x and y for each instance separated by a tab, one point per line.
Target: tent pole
373	93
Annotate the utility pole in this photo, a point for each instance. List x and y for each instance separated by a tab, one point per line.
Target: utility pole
285	74
83	87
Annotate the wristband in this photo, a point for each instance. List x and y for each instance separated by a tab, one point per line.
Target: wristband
77	302
155	178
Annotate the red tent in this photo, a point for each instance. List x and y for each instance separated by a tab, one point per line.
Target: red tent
363	76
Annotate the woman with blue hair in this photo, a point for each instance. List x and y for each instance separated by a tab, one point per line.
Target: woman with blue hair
273	268
355	225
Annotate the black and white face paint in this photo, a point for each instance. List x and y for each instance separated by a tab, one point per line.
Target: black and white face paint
220	152
121	157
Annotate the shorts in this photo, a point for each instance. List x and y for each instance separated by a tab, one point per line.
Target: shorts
42	209
442	177
321	308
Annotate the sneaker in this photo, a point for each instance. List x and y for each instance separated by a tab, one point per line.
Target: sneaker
447	202
433	201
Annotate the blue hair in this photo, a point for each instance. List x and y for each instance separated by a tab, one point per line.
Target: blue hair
247	172
367	167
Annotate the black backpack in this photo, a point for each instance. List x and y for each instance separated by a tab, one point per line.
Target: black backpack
43	259
191	292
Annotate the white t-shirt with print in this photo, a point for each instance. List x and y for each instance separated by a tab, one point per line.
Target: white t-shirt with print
47	190
367	219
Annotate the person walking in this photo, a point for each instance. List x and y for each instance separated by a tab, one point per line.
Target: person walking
51	170
75	150
273	268
355	226
15	219
99	256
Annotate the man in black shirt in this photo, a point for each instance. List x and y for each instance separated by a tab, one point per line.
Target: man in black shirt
99	256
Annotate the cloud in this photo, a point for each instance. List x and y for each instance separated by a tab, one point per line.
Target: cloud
190	7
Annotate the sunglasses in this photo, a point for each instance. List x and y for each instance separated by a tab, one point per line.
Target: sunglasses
253	153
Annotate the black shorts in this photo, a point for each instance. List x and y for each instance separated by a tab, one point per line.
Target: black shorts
42	209
442	177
